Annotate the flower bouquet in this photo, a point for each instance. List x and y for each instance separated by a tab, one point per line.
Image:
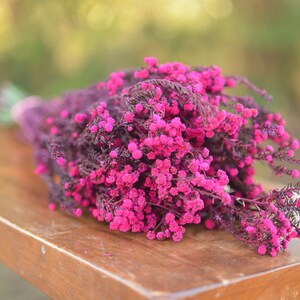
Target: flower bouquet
155	149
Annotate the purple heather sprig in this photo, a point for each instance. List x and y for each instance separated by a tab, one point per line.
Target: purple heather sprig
155	149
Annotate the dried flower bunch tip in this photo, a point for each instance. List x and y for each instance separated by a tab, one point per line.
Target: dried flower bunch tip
155	149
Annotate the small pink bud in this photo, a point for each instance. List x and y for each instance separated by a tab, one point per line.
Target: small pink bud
280	130
139	108
247	113
137	154
295	145
150	235
189	106
295	173
254	112
64	114
129	117
234	172
273	252
231	82
94	129
290	153
95	213
54	130
132	146
78	212
151	61
293	234
250	229
209	224
49	121
61	161
141	74
239	107
113	154
269	158
262	250
40	169
108	127
80	118
210	134
52	206
204	166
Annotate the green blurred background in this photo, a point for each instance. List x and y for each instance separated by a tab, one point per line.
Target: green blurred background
50	46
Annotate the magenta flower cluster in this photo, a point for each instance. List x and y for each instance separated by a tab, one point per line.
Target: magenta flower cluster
156	149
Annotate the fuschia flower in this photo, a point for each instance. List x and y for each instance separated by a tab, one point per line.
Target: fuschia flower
155	149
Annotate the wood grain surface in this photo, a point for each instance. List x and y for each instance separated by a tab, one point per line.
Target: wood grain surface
70	258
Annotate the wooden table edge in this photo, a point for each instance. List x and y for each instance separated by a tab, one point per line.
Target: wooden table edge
40	243
243	284
129	288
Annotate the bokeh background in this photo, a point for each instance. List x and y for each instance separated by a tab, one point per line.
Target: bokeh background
50	46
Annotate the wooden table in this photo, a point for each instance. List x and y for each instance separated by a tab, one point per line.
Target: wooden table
70	258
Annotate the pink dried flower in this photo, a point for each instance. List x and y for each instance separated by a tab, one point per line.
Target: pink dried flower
262	250
155	149
61	161
209	224
80	118
295	173
52	206
113	154
137	154
78	212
